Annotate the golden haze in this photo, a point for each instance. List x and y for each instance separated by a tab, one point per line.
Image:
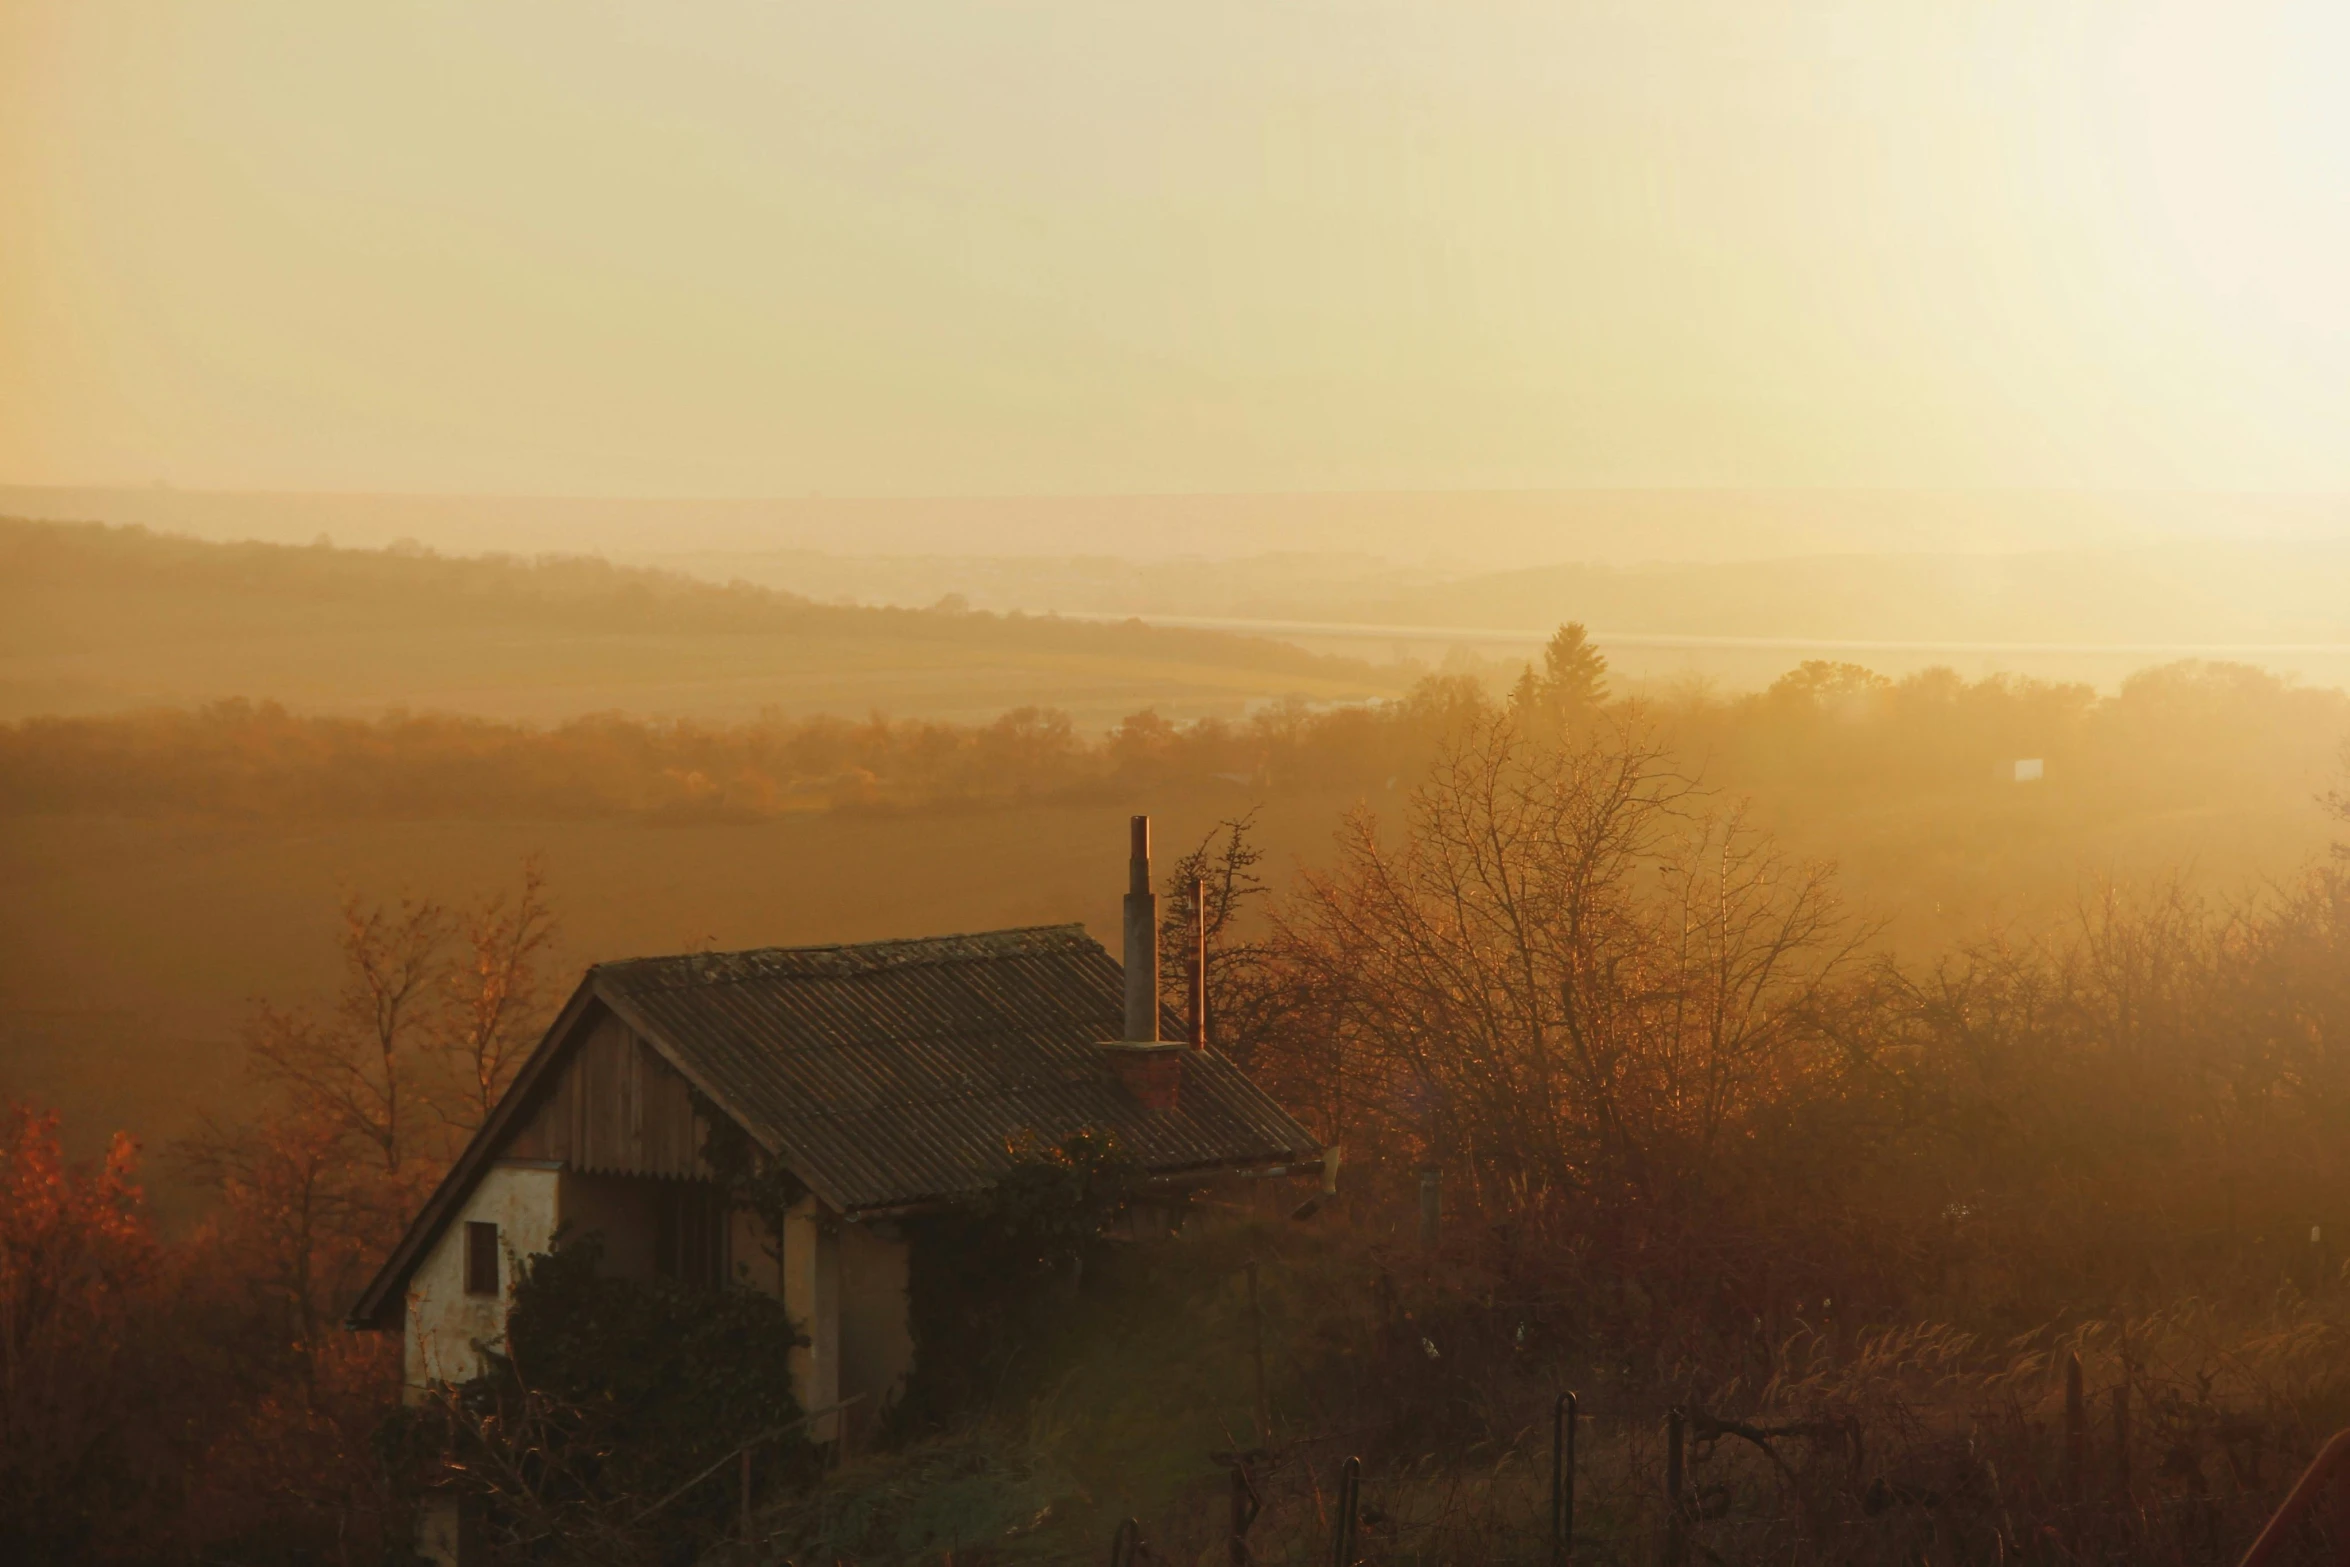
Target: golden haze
746	248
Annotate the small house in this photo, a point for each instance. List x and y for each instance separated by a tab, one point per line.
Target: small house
887	1077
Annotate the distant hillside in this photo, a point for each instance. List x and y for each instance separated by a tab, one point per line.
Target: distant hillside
96	618
2260	591
1465	530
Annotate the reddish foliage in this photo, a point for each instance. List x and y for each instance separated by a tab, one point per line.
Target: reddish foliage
79	1273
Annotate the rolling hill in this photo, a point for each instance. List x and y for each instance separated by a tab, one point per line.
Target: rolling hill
98	619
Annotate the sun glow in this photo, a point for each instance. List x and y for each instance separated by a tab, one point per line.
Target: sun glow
920	248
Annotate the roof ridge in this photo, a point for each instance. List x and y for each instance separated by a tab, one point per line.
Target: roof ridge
843	958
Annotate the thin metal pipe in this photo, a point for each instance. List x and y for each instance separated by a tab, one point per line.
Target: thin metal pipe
2329	1464
1196	965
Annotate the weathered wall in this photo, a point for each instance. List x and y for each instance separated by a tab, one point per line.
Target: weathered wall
876	1340
845	1287
620	1125
811	1293
623	1211
616	1108
522	1198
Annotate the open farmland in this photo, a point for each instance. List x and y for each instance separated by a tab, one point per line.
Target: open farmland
101	619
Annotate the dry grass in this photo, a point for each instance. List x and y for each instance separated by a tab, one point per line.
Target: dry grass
1961	1455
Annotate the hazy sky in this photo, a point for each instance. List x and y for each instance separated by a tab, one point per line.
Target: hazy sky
861	246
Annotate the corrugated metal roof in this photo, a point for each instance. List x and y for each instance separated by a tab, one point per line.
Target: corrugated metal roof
891	1073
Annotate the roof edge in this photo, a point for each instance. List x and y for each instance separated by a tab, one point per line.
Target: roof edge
770	1141
372	1310
1292	1160
848	958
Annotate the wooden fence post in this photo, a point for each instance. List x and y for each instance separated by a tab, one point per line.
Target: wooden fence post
1246	1504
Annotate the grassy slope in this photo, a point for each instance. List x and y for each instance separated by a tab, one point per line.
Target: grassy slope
97	619
1442	1382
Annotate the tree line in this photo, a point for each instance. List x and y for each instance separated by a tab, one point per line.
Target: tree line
1822	737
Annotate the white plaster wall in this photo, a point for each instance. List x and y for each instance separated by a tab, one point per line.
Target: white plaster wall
811	1293
522	1198
844	1286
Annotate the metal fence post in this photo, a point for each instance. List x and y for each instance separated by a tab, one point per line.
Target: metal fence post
1562	1480
2076	1430
1350	1502
1256	1330
1676	1543
2121	1440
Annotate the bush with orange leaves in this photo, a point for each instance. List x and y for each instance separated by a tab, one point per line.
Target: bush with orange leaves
80	1272
199	1398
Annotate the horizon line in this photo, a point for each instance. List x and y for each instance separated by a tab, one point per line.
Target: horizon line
165	487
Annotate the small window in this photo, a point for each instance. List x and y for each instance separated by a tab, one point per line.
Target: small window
481	1259
689	1244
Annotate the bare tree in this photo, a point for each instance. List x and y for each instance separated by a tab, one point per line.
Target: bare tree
357	1067
302	1220
368	1096
1563	976
493	1005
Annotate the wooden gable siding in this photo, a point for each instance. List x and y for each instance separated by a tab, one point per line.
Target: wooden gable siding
616	1108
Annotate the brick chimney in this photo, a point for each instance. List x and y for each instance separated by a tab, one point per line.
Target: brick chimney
1142	938
1151	1068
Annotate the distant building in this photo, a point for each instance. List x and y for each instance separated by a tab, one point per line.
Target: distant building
2024	770
886	1077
